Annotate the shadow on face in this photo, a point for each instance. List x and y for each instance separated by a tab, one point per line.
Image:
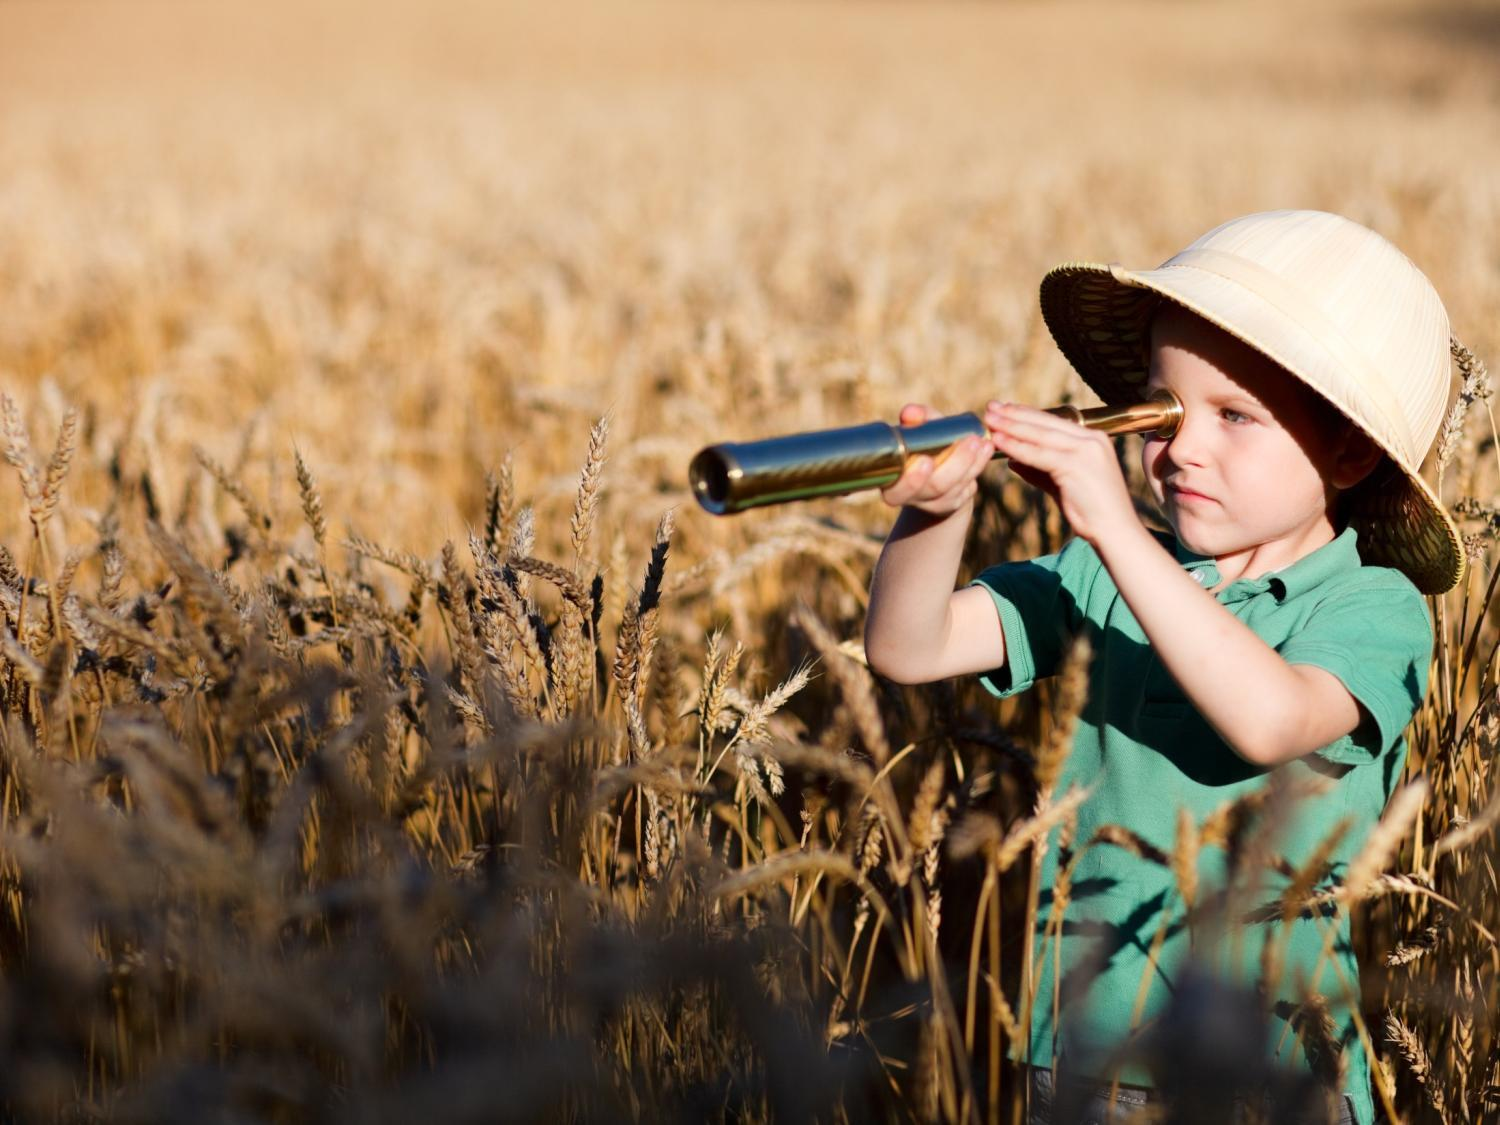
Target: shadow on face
1338	448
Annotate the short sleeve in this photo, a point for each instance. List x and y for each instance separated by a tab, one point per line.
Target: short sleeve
1038	603
1377	639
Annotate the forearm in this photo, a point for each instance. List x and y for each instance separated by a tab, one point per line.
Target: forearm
909	614
1263	708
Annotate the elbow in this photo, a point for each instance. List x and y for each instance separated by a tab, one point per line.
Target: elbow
1261	746
1257	753
896	674
885	665
1272	745
890	661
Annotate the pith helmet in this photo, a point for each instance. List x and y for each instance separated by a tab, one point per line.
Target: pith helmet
1333	303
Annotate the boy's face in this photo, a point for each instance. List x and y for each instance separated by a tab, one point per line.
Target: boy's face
1251	474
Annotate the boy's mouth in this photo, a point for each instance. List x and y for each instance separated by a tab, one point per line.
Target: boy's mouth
1177	492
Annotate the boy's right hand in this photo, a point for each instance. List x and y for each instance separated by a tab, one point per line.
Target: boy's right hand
939	485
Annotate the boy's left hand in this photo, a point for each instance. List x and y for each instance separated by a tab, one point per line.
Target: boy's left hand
1076	466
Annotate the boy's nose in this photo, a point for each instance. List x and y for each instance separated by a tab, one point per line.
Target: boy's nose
1187	446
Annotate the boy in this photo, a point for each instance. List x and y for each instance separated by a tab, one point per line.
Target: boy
1280	633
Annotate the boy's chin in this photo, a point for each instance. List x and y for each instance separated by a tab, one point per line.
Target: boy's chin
1202	537
1199	543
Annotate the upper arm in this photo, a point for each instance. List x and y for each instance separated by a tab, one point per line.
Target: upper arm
1011	623
975	640
1362	658
1037	607
1326	712
972	641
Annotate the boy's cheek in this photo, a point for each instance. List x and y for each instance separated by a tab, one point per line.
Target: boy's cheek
1151	453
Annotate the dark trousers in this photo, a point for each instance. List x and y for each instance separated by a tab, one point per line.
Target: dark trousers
1088	1104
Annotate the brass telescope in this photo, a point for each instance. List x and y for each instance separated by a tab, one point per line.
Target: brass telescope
734	476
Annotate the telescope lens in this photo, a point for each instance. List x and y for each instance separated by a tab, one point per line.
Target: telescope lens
710	477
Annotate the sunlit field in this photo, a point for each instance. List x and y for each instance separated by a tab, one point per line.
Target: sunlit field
390	737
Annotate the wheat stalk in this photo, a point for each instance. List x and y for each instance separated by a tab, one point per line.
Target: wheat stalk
1384	839
1072	693
586	505
312	500
259	520
18	453
853	679
1034	829
1474	385
58	465
1417	1060
404	561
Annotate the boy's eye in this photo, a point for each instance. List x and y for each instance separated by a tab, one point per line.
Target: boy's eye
1233	416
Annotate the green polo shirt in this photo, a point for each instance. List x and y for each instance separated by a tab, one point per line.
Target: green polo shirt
1145	752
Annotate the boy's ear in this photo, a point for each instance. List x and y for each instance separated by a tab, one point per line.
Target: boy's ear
1355	458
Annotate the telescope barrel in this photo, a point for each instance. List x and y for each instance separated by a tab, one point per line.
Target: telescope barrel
734	476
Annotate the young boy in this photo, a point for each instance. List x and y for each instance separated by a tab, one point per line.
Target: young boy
1280	634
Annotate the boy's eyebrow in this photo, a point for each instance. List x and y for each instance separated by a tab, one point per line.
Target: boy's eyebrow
1237	398
1219	398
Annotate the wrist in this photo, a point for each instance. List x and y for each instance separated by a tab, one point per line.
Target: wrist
914	518
1124	540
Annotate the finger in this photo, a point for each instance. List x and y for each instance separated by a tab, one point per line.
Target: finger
1028	420
995	413
963	460
912	480
1025	420
913	414
1027	439
1036	463
1043	417
1031	448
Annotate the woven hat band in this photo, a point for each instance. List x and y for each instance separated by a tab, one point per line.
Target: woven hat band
1302	310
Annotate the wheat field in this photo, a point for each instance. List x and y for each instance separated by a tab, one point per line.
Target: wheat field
388	736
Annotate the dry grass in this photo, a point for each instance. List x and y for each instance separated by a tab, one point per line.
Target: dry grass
364	759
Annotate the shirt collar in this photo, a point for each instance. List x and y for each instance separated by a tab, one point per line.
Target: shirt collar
1335	557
